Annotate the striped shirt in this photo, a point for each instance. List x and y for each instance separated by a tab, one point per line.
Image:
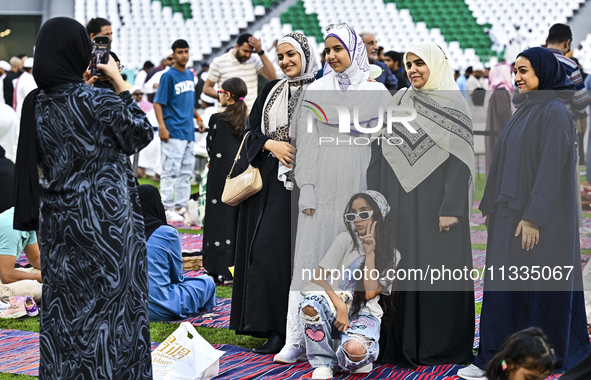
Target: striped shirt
227	66
578	104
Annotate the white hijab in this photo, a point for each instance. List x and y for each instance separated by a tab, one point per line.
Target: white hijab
337	87
282	109
276	110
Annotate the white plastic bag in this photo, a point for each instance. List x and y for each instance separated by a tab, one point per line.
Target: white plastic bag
192	213
182	358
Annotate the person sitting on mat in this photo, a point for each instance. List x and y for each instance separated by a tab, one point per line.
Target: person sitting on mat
172	296
347	300
14	282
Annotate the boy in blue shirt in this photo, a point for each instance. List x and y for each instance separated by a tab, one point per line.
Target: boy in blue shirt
174	108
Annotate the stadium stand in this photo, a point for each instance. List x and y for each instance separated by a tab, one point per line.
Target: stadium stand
150	26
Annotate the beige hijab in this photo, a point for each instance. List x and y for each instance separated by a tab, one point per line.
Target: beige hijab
443	123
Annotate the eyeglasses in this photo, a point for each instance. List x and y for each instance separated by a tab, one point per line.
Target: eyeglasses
137	93
220	92
170	58
363	215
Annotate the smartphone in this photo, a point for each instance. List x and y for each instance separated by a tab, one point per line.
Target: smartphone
100	54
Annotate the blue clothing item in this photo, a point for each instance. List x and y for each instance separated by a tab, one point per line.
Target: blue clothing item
559	74
318	339
12	242
533	177
462	85
173	296
176	95
178	162
387	77
461	82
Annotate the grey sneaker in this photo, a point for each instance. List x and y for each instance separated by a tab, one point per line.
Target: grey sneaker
291	354
472	373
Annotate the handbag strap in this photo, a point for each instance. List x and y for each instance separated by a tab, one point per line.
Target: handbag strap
237	155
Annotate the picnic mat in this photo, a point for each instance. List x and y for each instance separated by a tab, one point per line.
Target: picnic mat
191	243
218	317
477	218
19	354
181	226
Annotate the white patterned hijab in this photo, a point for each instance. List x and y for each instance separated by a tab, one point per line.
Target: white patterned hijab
380	200
358	72
279	107
283	106
350	88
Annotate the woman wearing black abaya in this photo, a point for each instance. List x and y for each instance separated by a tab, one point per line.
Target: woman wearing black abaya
262	272
94	315
428	181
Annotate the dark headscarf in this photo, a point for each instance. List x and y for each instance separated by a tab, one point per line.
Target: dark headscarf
152	209
549	70
62	54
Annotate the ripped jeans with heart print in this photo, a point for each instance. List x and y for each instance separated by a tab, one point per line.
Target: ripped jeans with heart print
359	344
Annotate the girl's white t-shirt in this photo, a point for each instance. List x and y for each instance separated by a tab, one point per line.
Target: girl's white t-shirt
340	257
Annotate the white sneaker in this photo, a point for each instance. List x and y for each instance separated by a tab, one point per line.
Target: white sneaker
322	373
472	373
181	211
173	216
290	354
3	306
365	369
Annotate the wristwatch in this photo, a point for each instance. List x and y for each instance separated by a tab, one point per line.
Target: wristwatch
262	52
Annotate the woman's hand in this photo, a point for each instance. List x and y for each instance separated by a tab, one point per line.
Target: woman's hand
369	240
530	234
307	201
446	222
486	222
282	150
88	78
111	70
341	321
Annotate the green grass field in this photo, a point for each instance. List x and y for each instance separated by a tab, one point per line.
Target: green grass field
160	331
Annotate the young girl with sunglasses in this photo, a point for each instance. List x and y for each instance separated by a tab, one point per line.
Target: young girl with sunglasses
346	287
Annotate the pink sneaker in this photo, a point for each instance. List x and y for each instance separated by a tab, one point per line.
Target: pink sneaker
16	308
31	307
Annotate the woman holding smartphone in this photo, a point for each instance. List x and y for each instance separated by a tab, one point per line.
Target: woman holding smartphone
77	139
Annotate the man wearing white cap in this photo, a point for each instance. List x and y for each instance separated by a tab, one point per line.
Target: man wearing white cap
4	68
24	84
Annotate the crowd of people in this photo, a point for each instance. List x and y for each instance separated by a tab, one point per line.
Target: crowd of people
397	198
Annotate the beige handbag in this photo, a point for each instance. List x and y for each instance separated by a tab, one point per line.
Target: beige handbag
243	185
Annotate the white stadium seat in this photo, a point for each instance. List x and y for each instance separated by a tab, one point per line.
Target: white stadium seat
144	30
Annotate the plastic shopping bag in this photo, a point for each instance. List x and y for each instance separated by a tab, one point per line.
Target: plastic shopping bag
192	213
181	357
